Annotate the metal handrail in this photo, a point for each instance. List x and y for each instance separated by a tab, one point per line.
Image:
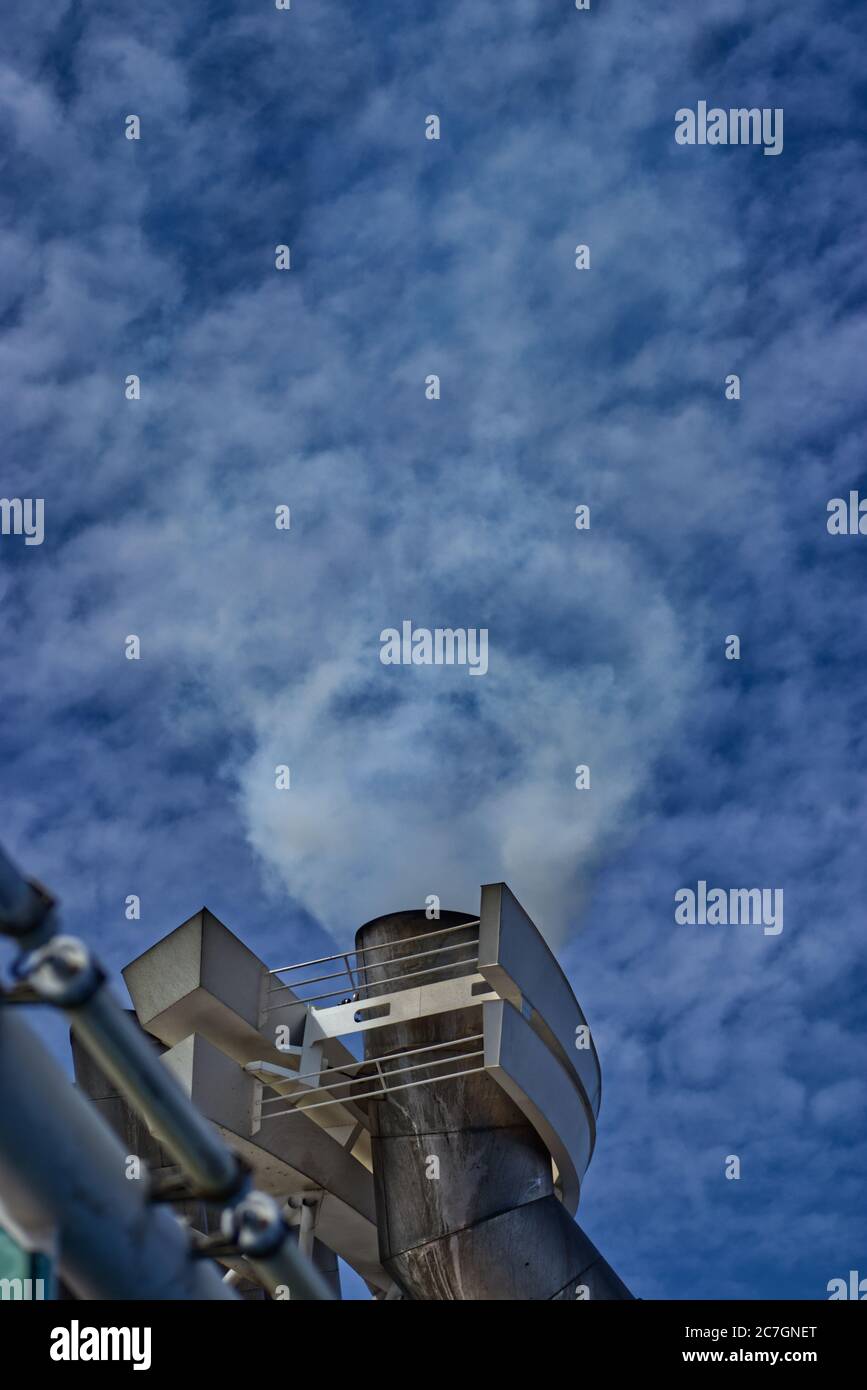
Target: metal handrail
377	1063
375	984
357	969
385	946
386	1091
360	1062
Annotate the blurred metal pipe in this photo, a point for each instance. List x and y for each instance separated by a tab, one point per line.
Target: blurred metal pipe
63	1179
264	1238
26	909
65	974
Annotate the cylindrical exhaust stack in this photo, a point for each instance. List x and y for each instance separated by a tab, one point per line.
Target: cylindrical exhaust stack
455	1162
466	1206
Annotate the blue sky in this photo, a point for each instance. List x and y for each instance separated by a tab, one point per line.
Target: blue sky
559	387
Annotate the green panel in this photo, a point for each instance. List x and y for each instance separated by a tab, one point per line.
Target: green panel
17	1264
14	1262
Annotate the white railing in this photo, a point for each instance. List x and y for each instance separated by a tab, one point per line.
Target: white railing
361	989
373	1067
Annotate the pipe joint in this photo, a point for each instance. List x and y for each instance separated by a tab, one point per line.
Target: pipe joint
63	972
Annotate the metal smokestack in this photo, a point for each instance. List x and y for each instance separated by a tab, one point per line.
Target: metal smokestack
465	1193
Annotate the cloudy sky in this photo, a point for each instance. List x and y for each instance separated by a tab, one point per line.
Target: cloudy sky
559	387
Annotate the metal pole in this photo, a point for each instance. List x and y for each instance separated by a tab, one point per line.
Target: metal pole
263	1236
64	973
26	910
306	1228
62	1174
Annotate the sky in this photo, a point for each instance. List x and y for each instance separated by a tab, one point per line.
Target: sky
559	387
